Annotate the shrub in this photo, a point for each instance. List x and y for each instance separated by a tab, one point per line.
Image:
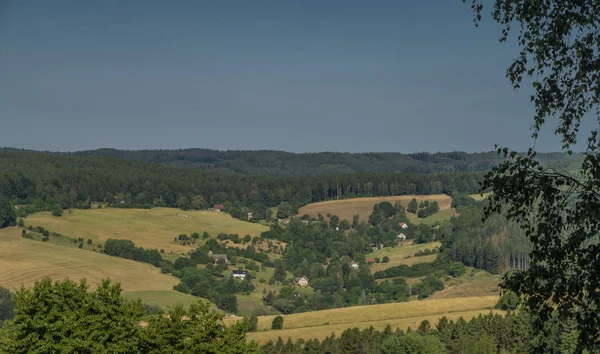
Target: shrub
385	259
45	238
89	241
277	323
57	210
80	245
21	223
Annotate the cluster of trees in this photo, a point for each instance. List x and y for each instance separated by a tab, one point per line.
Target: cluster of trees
101	321
442	266
494	245
126	249
485	334
279	163
204	283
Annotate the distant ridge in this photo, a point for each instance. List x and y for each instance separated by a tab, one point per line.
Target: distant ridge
281	163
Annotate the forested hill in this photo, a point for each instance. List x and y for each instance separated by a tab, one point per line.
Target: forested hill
279	163
51	179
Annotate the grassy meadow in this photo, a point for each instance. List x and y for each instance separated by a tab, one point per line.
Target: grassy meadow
23	261
148	228
403	314
347	208
403	254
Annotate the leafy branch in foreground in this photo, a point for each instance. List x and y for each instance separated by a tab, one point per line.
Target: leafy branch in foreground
559	53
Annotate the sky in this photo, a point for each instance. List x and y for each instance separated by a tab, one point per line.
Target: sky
299	76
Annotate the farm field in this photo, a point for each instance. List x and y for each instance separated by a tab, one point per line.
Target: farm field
346	208
398	255
148	228
23	261
404	314
478	196
474	282
443	214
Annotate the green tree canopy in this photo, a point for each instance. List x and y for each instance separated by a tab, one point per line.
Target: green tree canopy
412	206
558	53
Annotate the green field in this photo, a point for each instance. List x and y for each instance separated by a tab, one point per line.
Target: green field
346	208
166	298
148	228
23	261
320	324
402	254
444	214
478	196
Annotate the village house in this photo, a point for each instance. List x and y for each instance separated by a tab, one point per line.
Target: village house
241	274
456	214
218	257
249	216
371	260
218	207
354	265
302	281
401	237
403	225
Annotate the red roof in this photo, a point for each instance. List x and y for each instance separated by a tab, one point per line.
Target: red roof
456	215
219	206
370	260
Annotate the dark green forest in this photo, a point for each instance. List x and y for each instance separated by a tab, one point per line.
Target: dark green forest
281	163
44	180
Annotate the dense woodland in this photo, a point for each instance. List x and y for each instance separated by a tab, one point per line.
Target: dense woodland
280	163
44	180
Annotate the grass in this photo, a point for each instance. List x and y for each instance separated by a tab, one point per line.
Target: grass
346	208
166	298
443	214
148	228
405	314
474	282
398	255
478	196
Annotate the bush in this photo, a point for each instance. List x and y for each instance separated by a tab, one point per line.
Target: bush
277	323
57	210
80	245
45	238
89	241
385	259
21	223
508	301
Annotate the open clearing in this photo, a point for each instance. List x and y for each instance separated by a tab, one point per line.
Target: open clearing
404	314
474	282
346	208
444	214
23	261
148	228
478	196
398	255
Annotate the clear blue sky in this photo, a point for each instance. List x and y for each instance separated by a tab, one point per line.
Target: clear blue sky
302	75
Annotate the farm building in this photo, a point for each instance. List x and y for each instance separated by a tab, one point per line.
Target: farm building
218	257
302	281
239	274
218	207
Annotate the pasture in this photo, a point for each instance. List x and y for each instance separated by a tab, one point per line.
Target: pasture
402	315
347	208
148	228
23	261
403	254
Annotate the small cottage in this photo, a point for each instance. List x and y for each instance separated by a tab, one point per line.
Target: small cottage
241	274
302	281
401	237
403	225
218	257
354	265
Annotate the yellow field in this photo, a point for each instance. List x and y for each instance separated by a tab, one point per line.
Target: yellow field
398	255
23	261
478	196
148	228
322	323
443	214
473	283
346	208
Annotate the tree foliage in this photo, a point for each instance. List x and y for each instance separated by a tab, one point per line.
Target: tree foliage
559	212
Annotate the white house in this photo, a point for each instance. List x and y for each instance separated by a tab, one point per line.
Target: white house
239	274
401	237
354	265
403	225
302	281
